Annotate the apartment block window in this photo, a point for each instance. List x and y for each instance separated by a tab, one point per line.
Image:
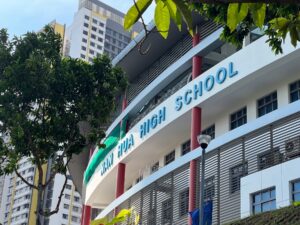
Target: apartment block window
166	212
66	206
75	209
100	39
184	202
99	47
100	31
94	28
64	216
95	21
76	199
101	24
209	188
267	104
186	147
82	56
93	36
170	157
295	91
210	131
155	167
238	118
83	48
86	25
92	44
296	191
236	173
269	158
264	201
86	17
85	32
84	40
74	219
67	196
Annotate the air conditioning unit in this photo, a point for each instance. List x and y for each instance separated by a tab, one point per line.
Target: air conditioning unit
292	148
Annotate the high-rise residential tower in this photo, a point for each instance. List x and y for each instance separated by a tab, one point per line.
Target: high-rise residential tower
96	29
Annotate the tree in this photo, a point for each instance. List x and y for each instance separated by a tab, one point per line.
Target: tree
44	101
275	20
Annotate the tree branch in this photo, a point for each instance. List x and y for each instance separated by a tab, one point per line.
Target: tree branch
25	181
47	214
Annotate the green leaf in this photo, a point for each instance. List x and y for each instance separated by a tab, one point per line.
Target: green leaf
133	14
258	11
281	25
294	36
186	14
174	13
236	12
162	18
99	221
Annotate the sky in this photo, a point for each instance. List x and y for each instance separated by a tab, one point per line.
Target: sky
20	16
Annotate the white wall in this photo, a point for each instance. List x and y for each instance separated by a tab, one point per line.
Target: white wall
279	176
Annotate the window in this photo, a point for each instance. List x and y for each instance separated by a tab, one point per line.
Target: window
170	157
264	201
140	178
93	36
92	51
269	158
83	48
66	206
267	104
101	24
209	188
85	32
86	25
67	196
100	31
74	219
94	28
155	167
76	199
64	216
75	209
82	56
295	91
92	44
84	40
86	17
184	202
210	131
166	212
95	21
238	118
99	47
100	39
186	147
296	191
236	173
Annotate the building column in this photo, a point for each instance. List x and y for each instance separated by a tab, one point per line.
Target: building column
120	183
195	131
86	215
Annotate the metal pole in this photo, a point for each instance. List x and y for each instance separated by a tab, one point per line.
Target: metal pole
201	213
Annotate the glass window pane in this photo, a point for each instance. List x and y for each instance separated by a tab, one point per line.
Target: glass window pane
265	196
297	186
256	209
273	194
257	198
296	197
266	207
273	205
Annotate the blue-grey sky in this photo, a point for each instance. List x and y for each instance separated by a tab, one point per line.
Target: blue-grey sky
20	16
